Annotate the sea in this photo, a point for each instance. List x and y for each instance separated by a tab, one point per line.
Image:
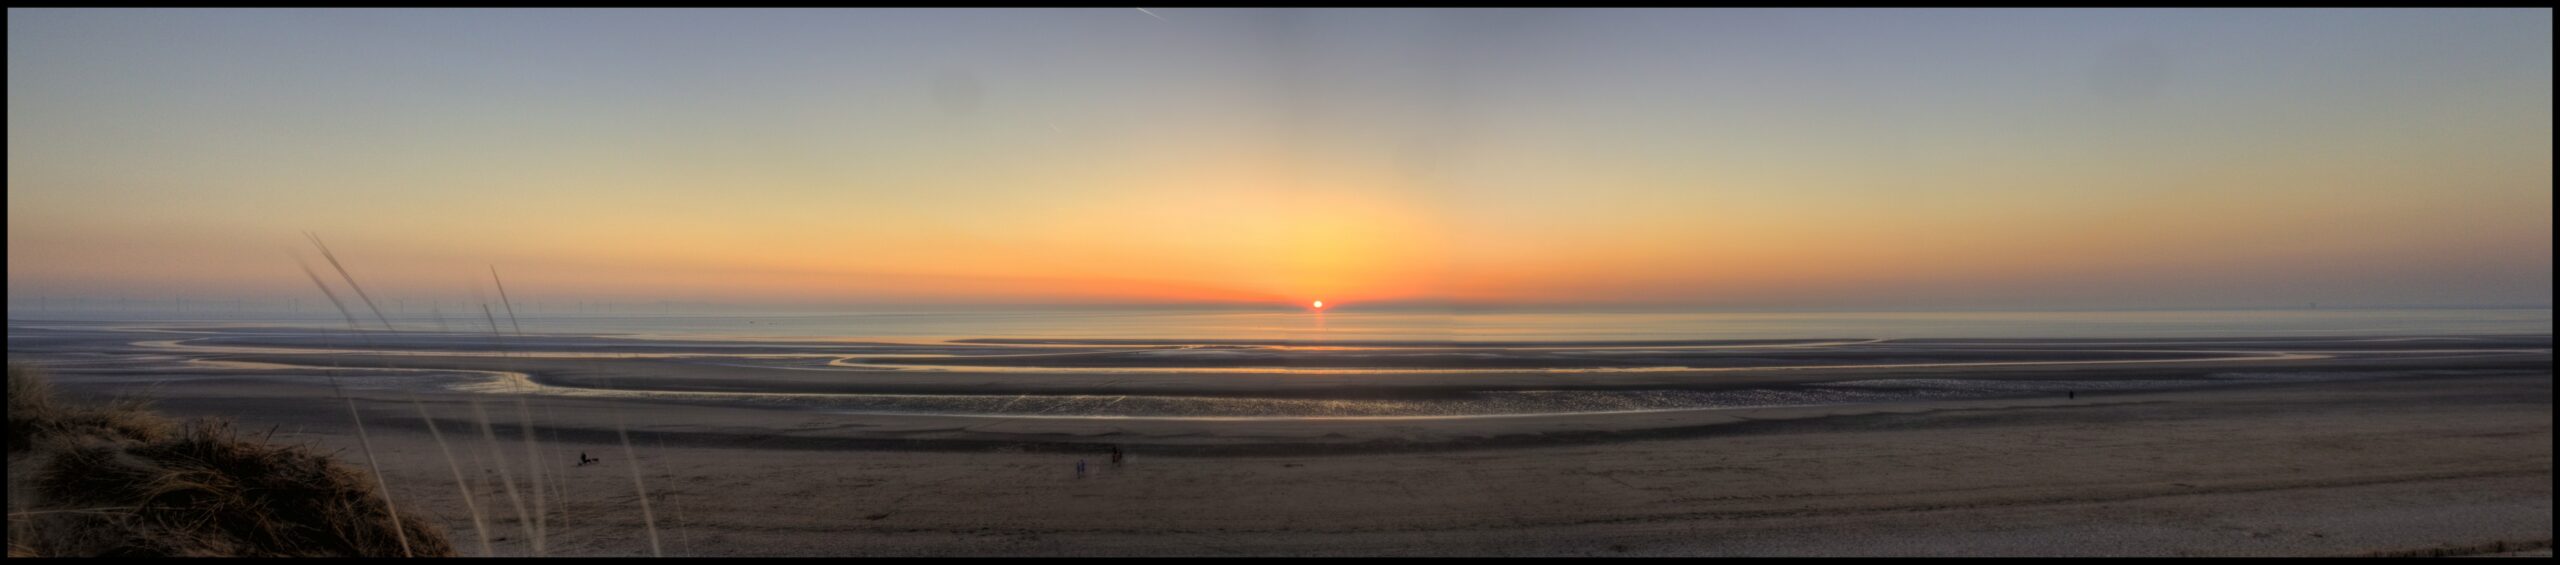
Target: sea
1306	325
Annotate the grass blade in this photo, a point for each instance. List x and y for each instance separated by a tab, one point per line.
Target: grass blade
479	524
503	300
498	453
351	280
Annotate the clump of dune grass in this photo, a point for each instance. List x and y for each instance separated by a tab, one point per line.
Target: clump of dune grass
35	414
146	487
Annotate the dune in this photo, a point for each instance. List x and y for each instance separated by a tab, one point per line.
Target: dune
115	480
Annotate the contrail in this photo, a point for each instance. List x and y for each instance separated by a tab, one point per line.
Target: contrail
1151	14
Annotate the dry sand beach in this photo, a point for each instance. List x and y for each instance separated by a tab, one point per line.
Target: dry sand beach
2369	446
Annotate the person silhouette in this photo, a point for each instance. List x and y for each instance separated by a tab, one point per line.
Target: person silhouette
583	459
1079	468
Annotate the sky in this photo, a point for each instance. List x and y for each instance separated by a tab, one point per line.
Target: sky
1760	159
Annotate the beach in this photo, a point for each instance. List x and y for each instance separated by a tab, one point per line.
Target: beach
2443	452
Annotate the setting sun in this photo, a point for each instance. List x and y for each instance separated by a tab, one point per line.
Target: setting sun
1319	305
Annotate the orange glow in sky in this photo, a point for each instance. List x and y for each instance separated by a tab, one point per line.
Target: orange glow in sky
1777	159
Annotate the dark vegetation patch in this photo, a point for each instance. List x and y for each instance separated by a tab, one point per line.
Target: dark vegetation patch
117	480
